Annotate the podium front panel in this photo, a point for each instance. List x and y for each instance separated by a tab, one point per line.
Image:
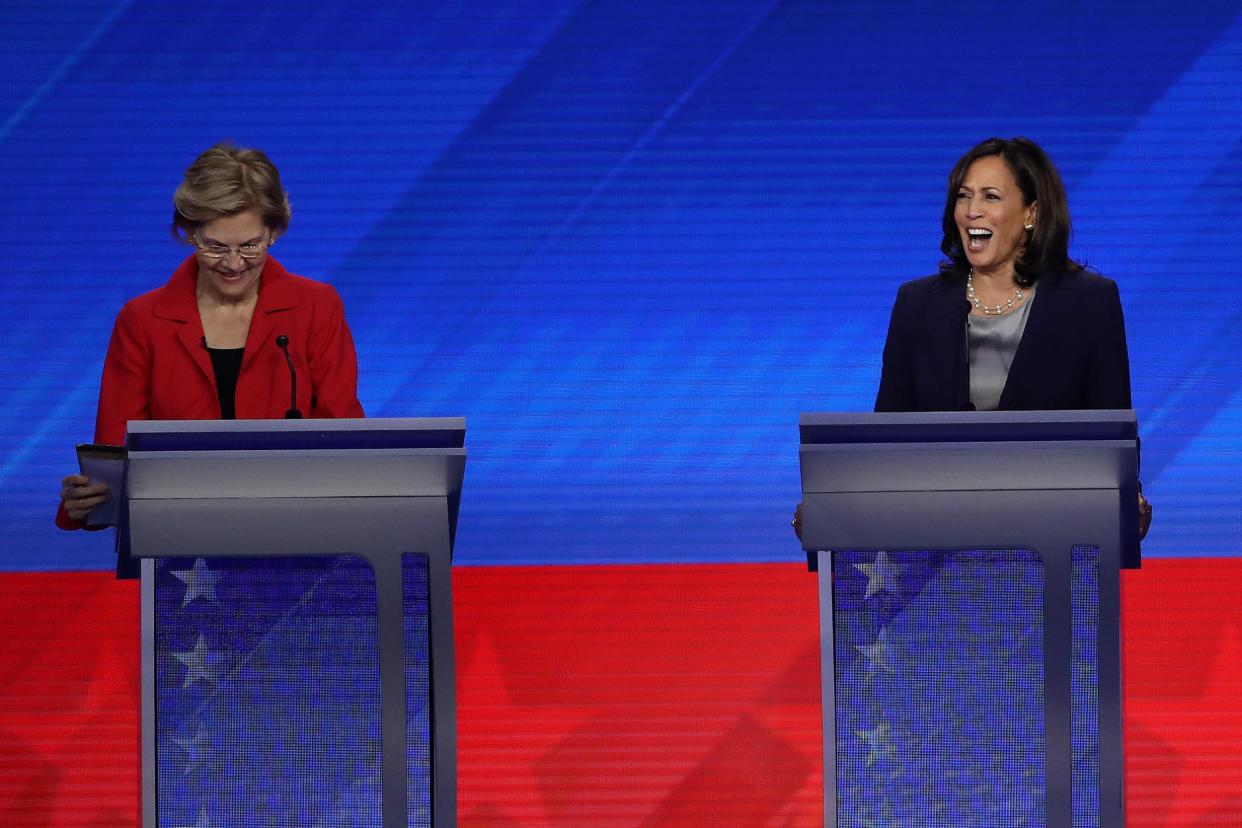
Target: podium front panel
408	594
938	660
267	691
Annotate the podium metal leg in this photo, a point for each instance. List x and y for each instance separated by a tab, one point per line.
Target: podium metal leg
389	606
828	685
146	590
1058	651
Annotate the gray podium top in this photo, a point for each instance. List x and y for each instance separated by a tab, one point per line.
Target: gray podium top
303	460
975	451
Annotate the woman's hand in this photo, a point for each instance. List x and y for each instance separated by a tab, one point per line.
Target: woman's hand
80	495
1144	515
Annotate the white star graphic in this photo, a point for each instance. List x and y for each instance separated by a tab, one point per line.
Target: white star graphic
877	653
200	582
194	748
203	820
200	663
878	742
881	575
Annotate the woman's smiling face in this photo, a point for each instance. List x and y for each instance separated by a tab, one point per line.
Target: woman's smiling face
232	276
991	216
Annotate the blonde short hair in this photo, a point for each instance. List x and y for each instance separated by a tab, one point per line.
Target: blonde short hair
227	180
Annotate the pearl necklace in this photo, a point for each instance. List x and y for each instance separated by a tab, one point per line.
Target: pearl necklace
990	310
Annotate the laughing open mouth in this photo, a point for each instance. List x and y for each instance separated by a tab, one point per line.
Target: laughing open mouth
978	237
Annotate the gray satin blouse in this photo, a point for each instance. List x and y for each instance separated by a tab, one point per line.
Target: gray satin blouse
993	342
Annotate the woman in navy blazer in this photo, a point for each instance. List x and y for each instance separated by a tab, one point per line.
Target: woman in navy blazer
1010	322
1006	238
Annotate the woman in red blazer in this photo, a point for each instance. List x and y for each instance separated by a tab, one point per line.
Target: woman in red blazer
210	344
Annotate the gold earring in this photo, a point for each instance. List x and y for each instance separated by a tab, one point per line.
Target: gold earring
1030	227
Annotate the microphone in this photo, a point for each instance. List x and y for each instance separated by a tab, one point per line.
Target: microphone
282	342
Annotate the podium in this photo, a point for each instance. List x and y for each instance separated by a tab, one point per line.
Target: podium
297	629
969	613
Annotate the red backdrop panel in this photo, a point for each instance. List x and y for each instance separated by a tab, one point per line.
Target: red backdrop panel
68	700
619	695
1183	692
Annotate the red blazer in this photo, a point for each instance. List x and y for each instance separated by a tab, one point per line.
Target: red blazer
158	368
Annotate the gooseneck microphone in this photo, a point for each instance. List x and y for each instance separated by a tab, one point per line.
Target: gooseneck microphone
282	342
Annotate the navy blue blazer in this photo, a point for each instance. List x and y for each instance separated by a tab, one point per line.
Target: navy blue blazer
1072	354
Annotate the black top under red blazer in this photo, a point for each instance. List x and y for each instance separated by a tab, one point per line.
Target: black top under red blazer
1072	354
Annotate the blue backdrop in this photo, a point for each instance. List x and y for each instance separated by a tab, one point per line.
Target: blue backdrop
629	241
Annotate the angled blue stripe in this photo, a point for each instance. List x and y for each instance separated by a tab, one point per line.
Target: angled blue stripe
64	67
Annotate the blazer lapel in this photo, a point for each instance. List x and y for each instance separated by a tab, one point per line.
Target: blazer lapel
178	303
1041	328
945	308
276	295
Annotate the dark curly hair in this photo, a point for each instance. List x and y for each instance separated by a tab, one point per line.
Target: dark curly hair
1047	246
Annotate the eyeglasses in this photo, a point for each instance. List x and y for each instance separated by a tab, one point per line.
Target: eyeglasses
249	250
